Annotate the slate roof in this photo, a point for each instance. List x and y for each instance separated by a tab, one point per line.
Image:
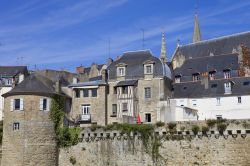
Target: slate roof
217	46
90	83
87	69
241	86
11	71
135	69
127	83
208	63
33	84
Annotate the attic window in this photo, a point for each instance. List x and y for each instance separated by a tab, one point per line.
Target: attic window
177	78
148	69
121	71
212	75
196	77
227	73
246	83
214	86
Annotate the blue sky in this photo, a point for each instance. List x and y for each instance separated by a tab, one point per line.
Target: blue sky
63	34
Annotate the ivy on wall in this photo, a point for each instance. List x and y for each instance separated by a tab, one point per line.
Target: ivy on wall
65	136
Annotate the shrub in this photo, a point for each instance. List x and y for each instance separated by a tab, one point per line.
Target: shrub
195	129
72	160
246	125
211	123
221	127
204	129
172	128
160	124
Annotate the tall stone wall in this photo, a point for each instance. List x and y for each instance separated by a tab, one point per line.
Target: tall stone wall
197	151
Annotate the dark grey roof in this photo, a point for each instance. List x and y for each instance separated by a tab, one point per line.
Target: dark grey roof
33	84
95	78
209	63
127	83
241	86
134	61
11	71
90	83
217	46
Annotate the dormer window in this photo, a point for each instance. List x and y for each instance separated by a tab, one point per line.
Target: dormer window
196	77
227	73
177	78
212	75
121	71
148	69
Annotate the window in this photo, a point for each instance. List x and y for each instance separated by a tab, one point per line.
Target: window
148	117
85	93
148	69
147	93
227	87
114	110
77	93
227	74
16	126
246	83
214	86
86	109
218	101
177	79
239	100
124	107
121	71
196	77
16	104
44	104
115	90
124	90
212	75
94	92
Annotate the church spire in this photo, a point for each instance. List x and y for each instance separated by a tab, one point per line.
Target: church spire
197	33
163	48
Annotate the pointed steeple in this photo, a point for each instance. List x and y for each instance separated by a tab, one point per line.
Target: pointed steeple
197	33
163	48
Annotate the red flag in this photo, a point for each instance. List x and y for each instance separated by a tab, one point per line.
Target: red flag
138	119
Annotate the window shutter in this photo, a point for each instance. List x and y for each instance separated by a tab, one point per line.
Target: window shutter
11	104
48	104
41	104
21	104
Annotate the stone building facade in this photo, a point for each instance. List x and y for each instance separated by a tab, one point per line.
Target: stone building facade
28	132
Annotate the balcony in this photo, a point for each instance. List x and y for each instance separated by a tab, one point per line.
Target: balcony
84	117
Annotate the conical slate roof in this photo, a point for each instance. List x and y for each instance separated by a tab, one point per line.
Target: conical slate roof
34	84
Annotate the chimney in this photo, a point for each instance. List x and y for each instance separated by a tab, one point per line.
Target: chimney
104	75
58	86
80	70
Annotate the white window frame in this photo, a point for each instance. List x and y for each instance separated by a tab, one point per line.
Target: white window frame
16	126
177	79
13	103
119	73
227	87
151	69
227	74
41	105
124	107
85	109
147	93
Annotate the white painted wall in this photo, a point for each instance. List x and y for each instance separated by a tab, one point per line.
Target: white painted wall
208	108
3	90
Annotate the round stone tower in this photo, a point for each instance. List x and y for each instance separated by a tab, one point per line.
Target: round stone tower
28	132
